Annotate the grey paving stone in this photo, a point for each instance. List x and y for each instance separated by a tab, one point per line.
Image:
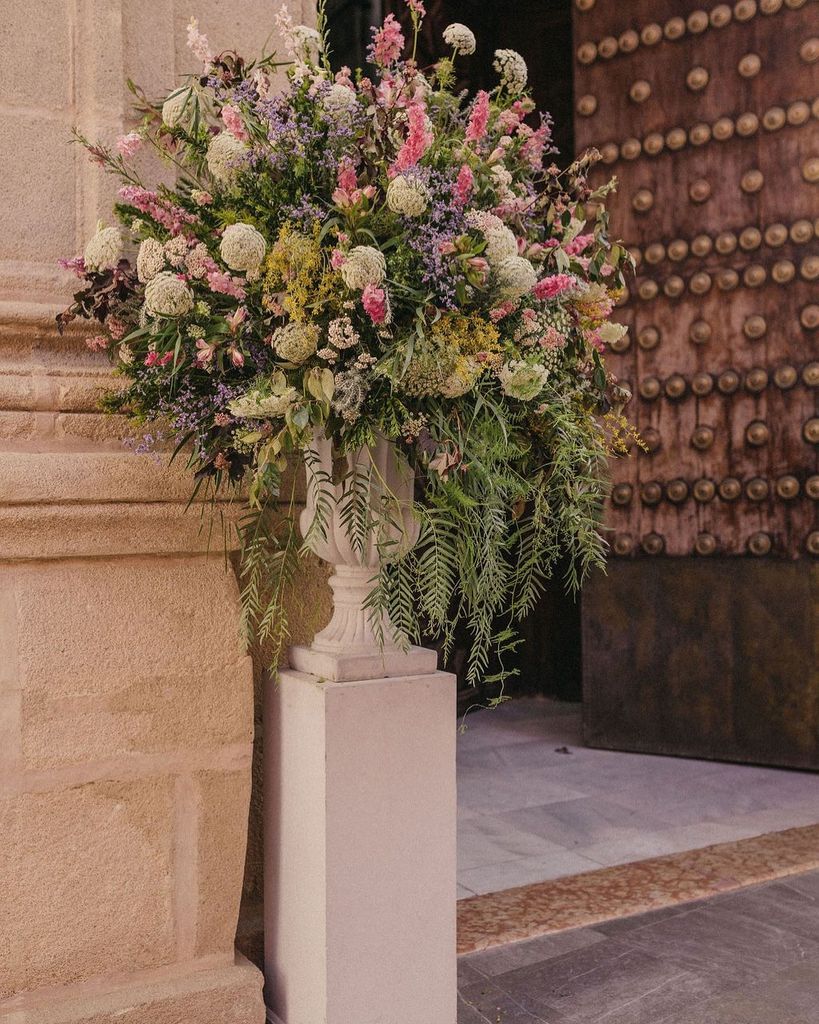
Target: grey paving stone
495	1006
533	951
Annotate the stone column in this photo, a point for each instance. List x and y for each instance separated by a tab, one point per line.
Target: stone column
125	698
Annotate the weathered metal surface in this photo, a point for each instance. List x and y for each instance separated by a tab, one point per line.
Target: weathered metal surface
710	121
712	658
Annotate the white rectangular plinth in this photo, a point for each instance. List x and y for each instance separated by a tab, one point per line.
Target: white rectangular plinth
360	815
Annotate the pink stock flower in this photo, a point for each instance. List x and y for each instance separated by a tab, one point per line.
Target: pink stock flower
419	139
232	117
161	210
127	145
533	149
345	77
224	284
98	343
388	42
417	7
198	43
578	244
554	285
479	118
374	301
464	185
116	327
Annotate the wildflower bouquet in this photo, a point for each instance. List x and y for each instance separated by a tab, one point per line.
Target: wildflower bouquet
371	257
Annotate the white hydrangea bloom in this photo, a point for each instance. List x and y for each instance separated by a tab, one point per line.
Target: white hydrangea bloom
255	406
516	276
611	331
242	247
150	260
178	109
460	38
364	265
224	153
168	295
307	43
339	99
296	341
407	196
512	69
522	380
104	250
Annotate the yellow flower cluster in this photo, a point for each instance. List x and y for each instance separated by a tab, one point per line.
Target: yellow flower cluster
466	334
447	365
295	265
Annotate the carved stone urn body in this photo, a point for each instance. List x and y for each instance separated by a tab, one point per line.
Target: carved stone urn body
375	493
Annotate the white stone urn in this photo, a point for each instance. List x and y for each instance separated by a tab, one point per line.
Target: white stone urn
352	646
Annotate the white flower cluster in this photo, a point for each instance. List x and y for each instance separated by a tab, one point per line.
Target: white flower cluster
255	406
364	265
168	295
512	69
339	99
503	183
242	248
178	109
342	334
515	277
150	260
500	240
522	380
460	38
198	261
176	249
407	196
611	331
296	341
224	154
103	250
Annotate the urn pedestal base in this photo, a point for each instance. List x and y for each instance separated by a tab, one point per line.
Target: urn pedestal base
360	816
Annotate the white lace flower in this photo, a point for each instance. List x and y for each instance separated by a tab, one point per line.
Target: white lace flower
242	247
364	265
296	341
522	380
150	260
512	69
178	108
338	100
168	295
307	43
407	196
500	240
516	276
460	38
255	406
176	249
224	155
104	250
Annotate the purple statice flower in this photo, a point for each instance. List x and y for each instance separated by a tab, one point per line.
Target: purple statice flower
429	238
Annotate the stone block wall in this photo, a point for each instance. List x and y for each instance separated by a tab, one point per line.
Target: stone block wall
126	698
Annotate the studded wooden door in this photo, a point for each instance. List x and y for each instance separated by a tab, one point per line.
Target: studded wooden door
709	118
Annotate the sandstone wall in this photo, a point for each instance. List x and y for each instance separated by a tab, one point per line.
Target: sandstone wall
126	700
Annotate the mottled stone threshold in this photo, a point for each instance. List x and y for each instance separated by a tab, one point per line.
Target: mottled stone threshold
528	911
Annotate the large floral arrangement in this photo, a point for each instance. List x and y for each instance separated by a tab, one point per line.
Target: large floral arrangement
366	255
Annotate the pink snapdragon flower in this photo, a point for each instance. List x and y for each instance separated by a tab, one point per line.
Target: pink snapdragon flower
76	264
554	285
224	284
232	117
417	7
419	139
479	118
388	42
164	212
374	301
535	146
464	186
127	145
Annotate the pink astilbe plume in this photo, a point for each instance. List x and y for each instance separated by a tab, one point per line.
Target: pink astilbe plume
419	139
479	118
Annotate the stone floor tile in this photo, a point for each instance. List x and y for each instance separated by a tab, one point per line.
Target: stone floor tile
509	874
489	840
490	1004
580	823
533	951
